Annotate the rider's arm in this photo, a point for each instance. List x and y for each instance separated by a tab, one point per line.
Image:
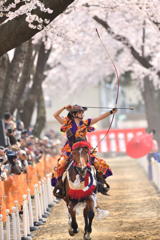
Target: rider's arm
58	112
102	116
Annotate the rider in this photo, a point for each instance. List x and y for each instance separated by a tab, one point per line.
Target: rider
75	127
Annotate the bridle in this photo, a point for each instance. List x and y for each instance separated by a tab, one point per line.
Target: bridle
81	145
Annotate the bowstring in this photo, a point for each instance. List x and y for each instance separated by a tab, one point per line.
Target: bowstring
117	90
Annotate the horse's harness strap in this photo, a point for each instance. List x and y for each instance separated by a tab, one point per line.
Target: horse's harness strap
68	169
81	185
81	144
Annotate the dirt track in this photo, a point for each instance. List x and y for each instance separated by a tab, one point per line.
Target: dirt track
134	207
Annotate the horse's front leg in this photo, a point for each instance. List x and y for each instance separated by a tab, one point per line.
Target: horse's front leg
88	216
73	226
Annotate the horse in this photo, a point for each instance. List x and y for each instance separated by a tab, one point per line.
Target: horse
80	187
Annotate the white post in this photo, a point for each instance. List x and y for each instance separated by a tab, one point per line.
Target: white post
32	227
24	215
1	227
30	208
39	204
46	196
42	203
41	197
37	222
45	187
48	189
27	216
8	225
17	221
43	194
159	176
14	223
50	198
36	201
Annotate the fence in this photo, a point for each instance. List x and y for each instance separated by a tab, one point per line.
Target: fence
152	169
17	191
115	141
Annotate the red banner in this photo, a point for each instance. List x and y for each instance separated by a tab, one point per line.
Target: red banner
115	141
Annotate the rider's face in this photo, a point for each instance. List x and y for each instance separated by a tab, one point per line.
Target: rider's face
80	114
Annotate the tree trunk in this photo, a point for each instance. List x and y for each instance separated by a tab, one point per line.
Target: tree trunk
4	62
12	77
30	101
25	76
41	115
151	98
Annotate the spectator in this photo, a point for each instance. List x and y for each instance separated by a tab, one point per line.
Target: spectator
7	119
45	140
52	134
152	155
154	151
23	142
30	152
24	148
30	129
31	138
3	160
25	132
10	135
12	164
22	157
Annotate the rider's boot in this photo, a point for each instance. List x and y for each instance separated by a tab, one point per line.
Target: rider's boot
103	186
59	189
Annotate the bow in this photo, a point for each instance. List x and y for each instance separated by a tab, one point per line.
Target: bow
117	88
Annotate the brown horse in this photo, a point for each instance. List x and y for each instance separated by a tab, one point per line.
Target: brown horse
80	187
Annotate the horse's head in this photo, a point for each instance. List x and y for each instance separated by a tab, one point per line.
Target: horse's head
81	157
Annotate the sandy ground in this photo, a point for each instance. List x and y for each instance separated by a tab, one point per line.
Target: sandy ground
134	207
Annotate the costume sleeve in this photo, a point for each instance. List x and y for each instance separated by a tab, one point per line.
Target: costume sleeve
67	124
88	123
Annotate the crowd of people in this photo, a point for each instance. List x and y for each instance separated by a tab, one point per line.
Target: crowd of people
22	148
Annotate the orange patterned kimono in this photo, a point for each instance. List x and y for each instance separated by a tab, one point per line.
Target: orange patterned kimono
74	131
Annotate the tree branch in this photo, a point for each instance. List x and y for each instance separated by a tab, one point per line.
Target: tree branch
18	5
142	60
16	31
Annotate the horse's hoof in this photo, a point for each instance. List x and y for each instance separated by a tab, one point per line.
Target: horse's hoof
76	230
71	233
85	237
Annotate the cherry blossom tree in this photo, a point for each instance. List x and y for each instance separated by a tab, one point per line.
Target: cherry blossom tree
145	50
21	78
132	38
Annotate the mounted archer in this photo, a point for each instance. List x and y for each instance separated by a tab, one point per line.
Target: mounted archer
75	127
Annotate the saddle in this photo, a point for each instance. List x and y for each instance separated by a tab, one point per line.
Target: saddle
101	185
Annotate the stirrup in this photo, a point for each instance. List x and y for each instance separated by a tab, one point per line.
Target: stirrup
104	190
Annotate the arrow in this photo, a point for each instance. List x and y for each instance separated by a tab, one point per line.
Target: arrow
112	108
